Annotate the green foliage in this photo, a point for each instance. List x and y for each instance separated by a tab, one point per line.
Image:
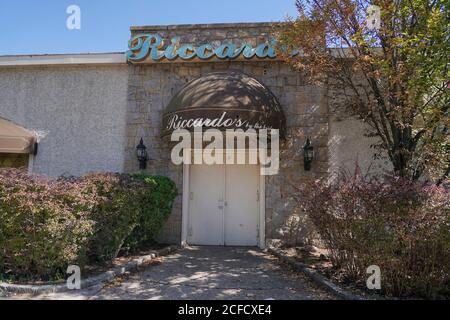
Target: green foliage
44	225
395	78
48	224
116	212
156	207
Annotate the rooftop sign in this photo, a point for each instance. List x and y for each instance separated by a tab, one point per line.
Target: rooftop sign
152	48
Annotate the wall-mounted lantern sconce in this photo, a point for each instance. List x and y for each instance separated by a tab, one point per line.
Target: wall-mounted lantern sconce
308	155
141	153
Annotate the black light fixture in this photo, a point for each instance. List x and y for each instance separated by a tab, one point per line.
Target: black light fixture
308	155
141	153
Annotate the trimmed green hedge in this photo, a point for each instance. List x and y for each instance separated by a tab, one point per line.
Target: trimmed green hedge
47	224
155	209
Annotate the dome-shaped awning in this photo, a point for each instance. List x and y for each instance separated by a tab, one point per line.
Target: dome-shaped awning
224	100
16	139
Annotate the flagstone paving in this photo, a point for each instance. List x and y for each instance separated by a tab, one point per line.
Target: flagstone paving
206	273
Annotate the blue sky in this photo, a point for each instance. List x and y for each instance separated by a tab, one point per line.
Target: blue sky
39	26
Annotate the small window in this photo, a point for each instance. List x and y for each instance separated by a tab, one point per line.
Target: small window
13	160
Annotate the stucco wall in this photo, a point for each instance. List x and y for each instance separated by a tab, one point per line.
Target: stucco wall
78	111
349	146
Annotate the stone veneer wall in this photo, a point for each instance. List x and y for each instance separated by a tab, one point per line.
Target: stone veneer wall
151	86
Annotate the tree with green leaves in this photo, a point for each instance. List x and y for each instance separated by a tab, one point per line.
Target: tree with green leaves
386	62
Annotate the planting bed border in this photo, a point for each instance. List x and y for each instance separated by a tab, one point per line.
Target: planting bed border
315	276
88	282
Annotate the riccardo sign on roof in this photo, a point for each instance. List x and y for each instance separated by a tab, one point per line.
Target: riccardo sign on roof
151	47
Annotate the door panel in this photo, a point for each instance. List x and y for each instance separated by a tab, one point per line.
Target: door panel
206	215
223	205
242	205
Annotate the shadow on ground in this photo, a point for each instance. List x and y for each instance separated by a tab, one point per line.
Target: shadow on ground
208	273
215	273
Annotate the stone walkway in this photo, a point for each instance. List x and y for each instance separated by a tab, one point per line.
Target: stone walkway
206	273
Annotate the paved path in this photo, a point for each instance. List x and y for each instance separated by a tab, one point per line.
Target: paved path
208	273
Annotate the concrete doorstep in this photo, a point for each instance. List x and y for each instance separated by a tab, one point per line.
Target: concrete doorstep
100	279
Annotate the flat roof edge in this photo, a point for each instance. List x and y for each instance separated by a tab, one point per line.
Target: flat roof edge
63	59
203	26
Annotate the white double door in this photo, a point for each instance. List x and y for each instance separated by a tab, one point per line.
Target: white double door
223	205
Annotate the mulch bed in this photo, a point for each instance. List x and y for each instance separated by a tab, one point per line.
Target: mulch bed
93	270
316	259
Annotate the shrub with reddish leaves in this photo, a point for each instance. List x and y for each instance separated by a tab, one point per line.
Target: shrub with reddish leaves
399	225
44	224
47	224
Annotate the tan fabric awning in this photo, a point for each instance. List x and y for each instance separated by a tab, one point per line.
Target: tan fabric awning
224	100
15	139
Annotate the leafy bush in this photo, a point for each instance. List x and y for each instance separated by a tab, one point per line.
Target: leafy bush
399	225
47	224
44	225
118	200
156	207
